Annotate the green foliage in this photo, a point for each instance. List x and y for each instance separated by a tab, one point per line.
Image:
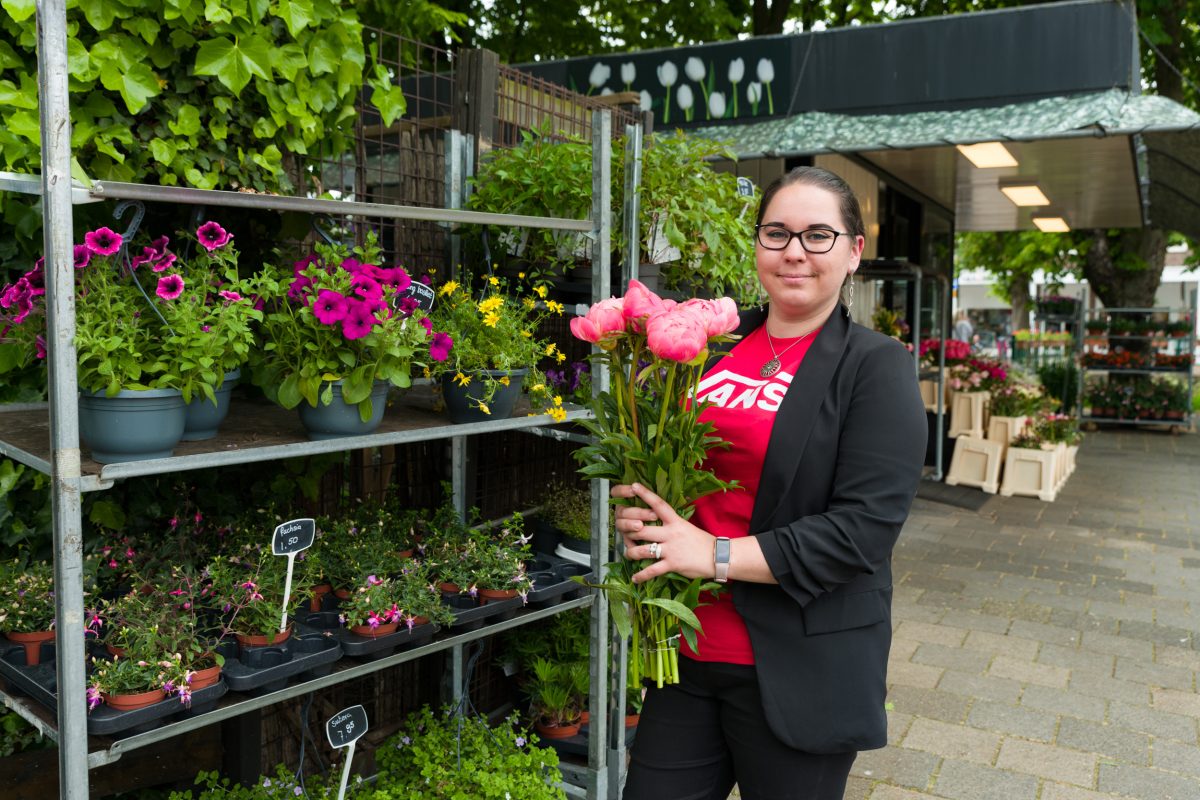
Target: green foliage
17	735
452	757
25	512
26	596
191	92
1060	379
283	785
569	508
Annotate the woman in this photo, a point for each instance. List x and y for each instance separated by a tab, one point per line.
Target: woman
828	437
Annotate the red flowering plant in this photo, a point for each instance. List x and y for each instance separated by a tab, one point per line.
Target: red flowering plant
956	351
146	321
977	375
646	430
338	316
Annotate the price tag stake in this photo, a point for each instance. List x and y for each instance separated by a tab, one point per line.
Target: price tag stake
343	729
290	538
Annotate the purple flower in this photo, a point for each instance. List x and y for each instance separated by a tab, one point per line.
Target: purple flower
427	324
397	277
302	264
359	320
330	307
232	297
439	348
299	287
407	305
212	236
520	741
353	265
169	287
40	342
366	287
82	256
164	262
103	241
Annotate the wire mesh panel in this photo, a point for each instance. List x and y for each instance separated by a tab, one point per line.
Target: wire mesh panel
525	102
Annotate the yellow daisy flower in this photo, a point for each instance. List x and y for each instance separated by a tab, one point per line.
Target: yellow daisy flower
561	357
504	381
540	291
527	334
484	408
491	318
521	275
528	303
494	281
491	304
557	400
462	379
538	387
448	288
557	414
554	306
550	348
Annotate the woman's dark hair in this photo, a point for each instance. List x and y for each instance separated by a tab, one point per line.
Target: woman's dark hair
822	179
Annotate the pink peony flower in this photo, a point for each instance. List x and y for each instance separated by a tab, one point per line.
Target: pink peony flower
330	307
103	241
602	323
639	304
169	287
439	348
720	316
677	335
212	236
358	320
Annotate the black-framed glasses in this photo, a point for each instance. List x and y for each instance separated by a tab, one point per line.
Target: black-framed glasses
814	240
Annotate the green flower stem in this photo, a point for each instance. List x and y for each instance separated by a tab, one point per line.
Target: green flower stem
662	414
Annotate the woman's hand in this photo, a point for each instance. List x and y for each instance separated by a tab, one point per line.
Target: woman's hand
683	548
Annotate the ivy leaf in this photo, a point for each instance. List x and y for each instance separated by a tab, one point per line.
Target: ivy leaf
215	11
234	63
79	63
106	146
288	60
296	14
186	122
386	97
223	104
13	97
264	128
322	56
26	125
19	10
218	129
136	83
107	514
163	151
9	57
144	27
100	13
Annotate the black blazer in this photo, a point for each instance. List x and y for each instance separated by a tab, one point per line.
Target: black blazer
840	473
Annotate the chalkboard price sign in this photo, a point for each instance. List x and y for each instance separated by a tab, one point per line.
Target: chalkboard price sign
294	536
346	727
421	292
745	187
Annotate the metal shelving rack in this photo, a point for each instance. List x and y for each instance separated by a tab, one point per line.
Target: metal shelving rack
1183	345
46	436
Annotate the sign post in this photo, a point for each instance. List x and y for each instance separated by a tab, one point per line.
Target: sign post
343	729
289	539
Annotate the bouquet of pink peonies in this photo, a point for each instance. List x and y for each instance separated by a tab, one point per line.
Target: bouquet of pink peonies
647	430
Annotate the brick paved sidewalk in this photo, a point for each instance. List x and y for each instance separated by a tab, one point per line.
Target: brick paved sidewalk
1050	651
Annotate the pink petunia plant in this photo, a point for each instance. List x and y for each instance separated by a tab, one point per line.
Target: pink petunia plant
646	429
337	315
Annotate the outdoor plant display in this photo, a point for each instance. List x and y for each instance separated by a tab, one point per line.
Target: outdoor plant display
558	692
141	682
646	432
484	561
283	785
26	597
247	590
956	351
495	337
1016	399
569	509
1056	305
380	604
447	756
339	317
150	321
977	375
889	323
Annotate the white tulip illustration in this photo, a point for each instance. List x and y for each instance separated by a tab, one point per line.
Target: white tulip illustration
685	100
694	69
628	73
766	74
605	91
647	101
599	76
737	71
716	105
668	73
754	94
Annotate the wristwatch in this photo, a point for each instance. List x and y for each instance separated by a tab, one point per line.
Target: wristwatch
721	553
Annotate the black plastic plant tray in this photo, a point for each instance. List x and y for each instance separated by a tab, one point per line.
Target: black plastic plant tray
365	647
469	619
577	745
555	584
40	682
307	653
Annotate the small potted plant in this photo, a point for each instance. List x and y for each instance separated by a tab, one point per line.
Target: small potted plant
496	349
339	330
247	591
554	702
372	609
27	612
499	561
127	684
568	510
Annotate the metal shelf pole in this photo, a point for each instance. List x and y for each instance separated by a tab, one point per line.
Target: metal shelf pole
598	788
64	423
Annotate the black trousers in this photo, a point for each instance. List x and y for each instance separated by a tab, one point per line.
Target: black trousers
697	738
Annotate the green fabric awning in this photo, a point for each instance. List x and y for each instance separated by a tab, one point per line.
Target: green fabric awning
1110	113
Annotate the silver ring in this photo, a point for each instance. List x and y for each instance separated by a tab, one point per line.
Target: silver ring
655	550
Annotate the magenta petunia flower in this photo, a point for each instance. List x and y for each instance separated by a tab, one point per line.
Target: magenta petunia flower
232	297
359	320
427	323
212	236
303	263
353	265
40	341
367	288
330	307
299	287
103	241
169	287
164	262
83	256
439	348
407	305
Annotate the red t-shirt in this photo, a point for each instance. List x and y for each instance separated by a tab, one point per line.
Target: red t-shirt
743	406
